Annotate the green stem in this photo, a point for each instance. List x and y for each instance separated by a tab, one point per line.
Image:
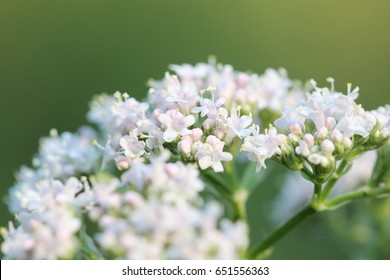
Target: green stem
329	186
317	190
240	198
233	198
309	210
282	231
218	183
354	195
232	175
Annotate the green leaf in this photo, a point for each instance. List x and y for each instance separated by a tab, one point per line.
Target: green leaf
89	249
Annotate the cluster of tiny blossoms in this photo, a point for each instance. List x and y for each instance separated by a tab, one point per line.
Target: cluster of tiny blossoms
254	93
154	209
133	187
323	128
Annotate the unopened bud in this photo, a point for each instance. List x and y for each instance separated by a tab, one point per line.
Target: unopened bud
122	163
322	133
330	123
309	139
327	147
293	138
219	133
347	142
184	146
315	159
196	134
295	128
337	136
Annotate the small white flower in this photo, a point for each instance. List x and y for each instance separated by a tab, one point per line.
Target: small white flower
100	112
261	146
175	123
238	125
292	117
170	93
273	87
354	125
188	72
210	154
127	112
132	147
209	107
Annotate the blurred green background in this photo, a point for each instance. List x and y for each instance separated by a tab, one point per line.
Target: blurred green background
55	55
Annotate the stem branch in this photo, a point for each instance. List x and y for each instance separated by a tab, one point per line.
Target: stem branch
311	209
354	195
339	172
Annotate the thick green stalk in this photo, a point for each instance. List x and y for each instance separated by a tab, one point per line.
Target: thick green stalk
231	197
317	190
282	231
231	172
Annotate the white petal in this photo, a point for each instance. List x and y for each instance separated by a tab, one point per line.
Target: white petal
165	119
189	120
217	166
205	162
220	101
170	135
225	156
123	143
196	110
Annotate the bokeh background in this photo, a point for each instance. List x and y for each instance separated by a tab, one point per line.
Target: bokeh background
55	55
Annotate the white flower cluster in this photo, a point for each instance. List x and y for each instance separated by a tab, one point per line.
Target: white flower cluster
154	211
68	154
321	129
164	217
60	157
137	178
271	91
195	126
49	220
187	122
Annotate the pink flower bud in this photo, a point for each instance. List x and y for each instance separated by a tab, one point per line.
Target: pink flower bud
208	124
196	134
184	146
337	136
219	133
172	169
156	113
309	139
122	163
322	133
242	79
330	123
295	128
